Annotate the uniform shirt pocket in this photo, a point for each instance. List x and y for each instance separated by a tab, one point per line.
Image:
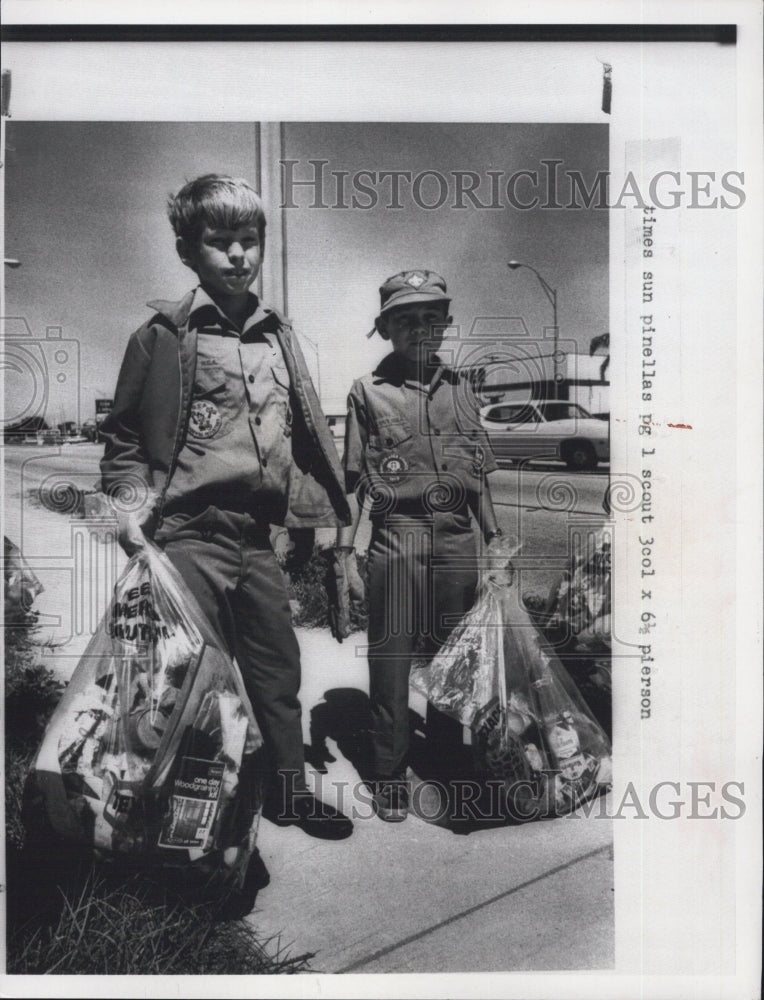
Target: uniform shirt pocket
281	375
390	433
209	381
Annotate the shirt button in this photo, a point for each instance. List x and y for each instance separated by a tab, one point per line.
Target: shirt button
258	421
251	378
436	430
389	442
264	463
444	467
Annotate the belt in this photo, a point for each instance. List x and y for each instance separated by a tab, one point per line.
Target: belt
413	512
232	503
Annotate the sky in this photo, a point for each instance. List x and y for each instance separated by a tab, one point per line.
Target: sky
85	214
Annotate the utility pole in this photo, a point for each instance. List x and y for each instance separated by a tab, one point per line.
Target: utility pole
551	294
5	112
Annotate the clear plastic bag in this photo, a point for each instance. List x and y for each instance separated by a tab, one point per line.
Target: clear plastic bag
531	729
153	750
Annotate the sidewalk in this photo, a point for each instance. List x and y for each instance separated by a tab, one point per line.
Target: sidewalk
413	897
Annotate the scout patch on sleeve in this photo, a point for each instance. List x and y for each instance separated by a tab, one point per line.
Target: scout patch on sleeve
204	420
478	460
393	467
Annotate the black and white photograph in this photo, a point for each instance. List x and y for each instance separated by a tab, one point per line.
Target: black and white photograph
373	609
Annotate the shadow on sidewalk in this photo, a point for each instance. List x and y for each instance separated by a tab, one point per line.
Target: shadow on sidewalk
343	716
442	761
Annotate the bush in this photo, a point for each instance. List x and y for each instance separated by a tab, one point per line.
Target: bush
32	690
308	588
31	694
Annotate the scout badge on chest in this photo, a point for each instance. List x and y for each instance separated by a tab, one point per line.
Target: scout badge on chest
393	467
204	419
478	460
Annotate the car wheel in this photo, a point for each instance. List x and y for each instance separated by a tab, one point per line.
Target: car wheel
579	455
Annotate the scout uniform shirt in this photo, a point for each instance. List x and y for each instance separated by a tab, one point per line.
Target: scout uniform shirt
414	447
237	454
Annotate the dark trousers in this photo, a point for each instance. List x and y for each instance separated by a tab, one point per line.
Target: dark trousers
422	578
227	562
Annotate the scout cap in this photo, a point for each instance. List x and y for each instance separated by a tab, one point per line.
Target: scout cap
411	286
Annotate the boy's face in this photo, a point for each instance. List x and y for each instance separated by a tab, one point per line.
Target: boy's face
226	260
413	327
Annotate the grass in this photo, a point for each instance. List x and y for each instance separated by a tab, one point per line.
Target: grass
70	913
104	926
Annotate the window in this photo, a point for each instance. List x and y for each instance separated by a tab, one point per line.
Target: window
499	414
562	411
520	413
523	415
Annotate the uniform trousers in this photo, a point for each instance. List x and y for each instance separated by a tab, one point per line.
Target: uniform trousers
228	564
422	579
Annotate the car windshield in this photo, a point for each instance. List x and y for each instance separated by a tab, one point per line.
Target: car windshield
562	411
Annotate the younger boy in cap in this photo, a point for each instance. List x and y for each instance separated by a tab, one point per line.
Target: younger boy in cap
217	424
415	453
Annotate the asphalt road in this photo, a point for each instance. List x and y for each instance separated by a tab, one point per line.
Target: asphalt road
544	506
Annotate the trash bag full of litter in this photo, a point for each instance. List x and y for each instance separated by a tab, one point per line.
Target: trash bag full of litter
531	729
154	750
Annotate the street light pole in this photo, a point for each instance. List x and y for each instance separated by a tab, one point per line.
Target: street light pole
551	294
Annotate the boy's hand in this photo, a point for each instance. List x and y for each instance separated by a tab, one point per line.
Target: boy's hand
129	533
498	568
302	540
134	525
343	586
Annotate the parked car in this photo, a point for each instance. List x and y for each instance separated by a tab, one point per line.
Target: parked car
89	430
553	429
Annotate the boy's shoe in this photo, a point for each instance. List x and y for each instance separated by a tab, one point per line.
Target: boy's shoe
428	799
390	799
314	817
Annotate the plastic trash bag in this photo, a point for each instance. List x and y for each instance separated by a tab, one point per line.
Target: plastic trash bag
153	750
531	729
